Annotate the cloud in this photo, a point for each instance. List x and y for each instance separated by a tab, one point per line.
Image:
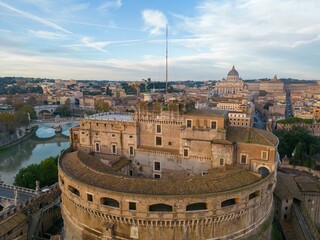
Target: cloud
155	21
49	35
88	42
75	8
35	18
110	4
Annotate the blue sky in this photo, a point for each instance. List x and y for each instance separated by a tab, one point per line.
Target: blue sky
125	39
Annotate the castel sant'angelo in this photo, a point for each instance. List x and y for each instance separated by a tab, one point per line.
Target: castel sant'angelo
172	172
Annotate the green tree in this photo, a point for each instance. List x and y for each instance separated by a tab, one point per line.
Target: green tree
22	118
8	121
32	101
267	105
262	93
27	177
28	109
18	105
64	110
101	106
46	172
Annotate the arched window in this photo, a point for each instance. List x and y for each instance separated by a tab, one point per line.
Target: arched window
196	206
161	207
230	202
74	190
254	194
109	202
263	171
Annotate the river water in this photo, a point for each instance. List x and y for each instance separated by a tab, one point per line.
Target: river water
44	143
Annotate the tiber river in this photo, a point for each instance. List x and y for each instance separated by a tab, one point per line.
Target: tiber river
45	143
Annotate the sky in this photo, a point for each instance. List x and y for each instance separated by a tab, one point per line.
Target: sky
125	39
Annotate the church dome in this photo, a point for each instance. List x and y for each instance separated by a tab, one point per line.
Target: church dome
233	72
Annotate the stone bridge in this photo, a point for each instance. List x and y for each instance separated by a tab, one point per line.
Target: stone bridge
45	108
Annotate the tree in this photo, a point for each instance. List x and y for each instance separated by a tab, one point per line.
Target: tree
267	105
18	105
262	93
28	109
64	110
101	106
46	172
9	121
32	101
108	92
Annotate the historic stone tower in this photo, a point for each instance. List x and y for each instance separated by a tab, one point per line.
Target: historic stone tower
172	173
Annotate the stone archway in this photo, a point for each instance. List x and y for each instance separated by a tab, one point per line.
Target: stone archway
44	113
264	171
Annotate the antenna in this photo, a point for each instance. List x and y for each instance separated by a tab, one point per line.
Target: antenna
167	63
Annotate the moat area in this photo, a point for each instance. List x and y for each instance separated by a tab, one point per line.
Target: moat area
44	143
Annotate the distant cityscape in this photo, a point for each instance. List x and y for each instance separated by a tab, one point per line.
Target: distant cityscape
233	152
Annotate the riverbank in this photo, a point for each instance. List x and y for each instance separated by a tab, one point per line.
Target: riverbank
15	140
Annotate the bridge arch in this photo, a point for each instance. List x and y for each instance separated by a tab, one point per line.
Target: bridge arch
45	108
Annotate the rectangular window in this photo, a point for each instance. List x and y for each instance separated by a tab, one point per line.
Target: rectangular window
157	175
97	147
221	162
89	197
157	166
114	149
213	125
132	206
113	135
159	141
158	129
189	123
243	159
264	155
131	151
186	152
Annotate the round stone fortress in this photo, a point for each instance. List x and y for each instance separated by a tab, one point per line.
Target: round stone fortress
122	188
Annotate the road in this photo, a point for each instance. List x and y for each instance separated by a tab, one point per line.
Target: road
288	113
258	122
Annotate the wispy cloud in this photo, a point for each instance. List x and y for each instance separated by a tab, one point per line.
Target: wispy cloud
110	4
88	42
49	35
75	8
35	18
155	21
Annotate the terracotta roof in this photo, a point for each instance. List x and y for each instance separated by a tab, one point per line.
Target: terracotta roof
251	135
104	178
11	223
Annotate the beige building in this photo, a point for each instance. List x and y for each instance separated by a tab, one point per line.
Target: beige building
297	201
167	173
273	85
233	84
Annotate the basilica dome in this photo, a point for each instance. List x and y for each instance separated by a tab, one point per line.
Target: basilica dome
233	72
